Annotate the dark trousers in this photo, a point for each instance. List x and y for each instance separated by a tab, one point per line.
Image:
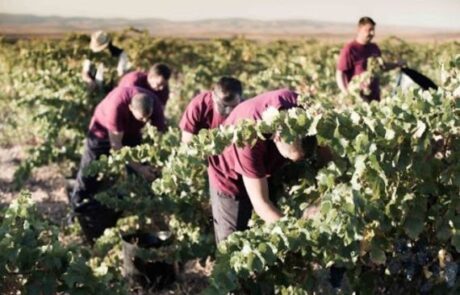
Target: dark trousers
87	186
93	217
230	213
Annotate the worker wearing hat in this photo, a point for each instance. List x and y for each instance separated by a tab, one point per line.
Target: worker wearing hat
101	60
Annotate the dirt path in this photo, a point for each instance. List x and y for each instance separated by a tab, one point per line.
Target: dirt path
48	189
47	185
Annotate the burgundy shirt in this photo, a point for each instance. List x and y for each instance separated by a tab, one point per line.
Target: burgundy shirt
139	79
353	61
113	114
200	114
263	159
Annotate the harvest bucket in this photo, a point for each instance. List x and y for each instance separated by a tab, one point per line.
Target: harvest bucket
148	274
409	77
94	218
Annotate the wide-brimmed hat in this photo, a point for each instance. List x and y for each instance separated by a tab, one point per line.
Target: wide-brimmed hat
99	41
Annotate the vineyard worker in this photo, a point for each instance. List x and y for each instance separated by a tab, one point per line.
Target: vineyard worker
238	178
156	80
210	108
117	121
99	62
353	59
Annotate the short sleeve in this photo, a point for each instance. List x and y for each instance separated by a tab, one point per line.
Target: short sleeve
190	121
345	62
158	118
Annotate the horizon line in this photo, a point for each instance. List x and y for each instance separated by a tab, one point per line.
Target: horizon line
223	19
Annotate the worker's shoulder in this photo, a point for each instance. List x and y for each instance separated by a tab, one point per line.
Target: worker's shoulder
204	97
349	44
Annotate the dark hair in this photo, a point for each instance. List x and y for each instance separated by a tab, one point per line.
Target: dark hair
309	144
230	87
143	103
365	20
160	70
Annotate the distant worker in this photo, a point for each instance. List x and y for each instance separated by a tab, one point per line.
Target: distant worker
210	108
156	80
100	63
354	57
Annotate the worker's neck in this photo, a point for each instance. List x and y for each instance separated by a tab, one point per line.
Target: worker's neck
361	41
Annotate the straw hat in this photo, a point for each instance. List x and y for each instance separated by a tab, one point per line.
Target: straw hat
99	41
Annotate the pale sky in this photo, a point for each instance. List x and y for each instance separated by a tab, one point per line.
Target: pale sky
420	13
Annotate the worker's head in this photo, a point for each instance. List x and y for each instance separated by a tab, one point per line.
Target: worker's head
99	41
366	30
141	107
158	76
298	149
227	95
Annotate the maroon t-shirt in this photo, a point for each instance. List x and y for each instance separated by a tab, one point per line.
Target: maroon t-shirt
263	159
113	114
200	114
139	79
353	61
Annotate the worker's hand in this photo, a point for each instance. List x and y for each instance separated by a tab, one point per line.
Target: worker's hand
311	212
148	172
401	63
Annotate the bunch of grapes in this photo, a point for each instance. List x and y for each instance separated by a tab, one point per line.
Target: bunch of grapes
418	261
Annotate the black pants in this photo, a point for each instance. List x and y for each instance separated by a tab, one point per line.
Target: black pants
87	186
230	213
93	217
